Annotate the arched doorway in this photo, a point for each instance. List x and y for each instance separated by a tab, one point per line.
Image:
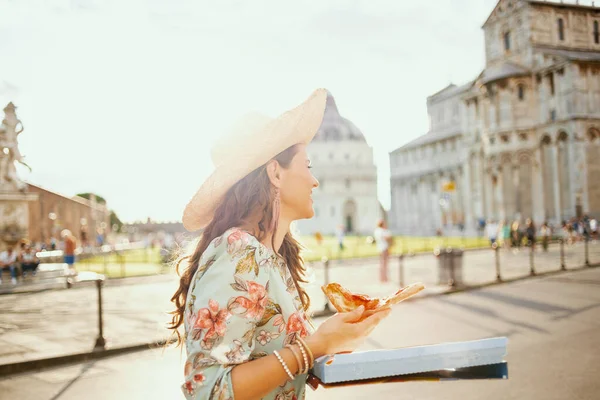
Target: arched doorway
350	215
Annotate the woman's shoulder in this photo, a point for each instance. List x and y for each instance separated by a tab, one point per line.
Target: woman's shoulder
238	248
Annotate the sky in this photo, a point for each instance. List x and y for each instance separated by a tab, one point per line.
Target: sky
124	98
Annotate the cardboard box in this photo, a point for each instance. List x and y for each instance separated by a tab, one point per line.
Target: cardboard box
437	360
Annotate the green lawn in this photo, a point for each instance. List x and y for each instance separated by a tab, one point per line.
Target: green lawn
148	261
357	246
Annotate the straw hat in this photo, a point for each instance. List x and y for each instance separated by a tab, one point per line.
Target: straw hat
254	140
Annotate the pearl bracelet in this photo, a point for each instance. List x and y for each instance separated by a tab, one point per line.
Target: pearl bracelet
306	364
310	354
284	365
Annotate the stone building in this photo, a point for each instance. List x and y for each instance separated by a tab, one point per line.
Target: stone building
342	161
52	212
522	140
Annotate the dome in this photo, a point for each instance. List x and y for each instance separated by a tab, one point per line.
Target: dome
335	127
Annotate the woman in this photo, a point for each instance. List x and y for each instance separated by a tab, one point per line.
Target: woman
240	299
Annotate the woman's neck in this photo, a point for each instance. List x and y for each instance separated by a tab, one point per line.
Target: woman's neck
273	243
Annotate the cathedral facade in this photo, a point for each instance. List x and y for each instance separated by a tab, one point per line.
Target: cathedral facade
521	140
342	161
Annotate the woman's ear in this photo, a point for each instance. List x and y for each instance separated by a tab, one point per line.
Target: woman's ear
274	173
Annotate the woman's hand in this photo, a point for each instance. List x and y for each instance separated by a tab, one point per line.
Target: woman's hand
344	332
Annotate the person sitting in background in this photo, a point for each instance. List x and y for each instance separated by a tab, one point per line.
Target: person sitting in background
8	260
29	261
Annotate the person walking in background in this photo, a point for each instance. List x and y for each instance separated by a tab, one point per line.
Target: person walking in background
70	243
8	260
340	234
530	233
515	234
383	240
505	234
546	232
594	228
491	230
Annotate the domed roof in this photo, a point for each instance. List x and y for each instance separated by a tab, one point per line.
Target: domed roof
336	128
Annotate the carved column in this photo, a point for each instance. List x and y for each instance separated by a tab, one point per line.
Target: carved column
500	193
537	190
516	187
556	182
467	204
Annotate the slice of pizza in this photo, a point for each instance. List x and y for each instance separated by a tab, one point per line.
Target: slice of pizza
344	300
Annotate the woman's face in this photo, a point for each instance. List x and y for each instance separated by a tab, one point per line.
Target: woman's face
297	184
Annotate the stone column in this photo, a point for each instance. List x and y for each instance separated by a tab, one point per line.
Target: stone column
537	190
488	188
500	194
585	200
574	182
556	182
517	194
467	203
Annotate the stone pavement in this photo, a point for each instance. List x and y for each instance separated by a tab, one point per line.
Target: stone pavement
55	323
551	322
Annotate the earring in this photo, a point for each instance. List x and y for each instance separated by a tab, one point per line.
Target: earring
275	210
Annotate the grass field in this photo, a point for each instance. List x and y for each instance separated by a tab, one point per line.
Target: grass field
354	247
357	246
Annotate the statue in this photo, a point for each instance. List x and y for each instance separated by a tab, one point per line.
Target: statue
10	128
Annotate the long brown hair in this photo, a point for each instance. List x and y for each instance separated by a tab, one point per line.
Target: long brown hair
251	194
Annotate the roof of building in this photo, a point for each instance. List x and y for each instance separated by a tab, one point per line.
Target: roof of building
550	3
429	137
575	55
501	71
335	127
449	91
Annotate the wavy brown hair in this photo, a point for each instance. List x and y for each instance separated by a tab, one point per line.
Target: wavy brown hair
252	194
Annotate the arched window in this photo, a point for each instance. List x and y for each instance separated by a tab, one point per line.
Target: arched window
521	92
561	29
596	33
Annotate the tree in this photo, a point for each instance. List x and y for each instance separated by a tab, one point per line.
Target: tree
114	220
87	196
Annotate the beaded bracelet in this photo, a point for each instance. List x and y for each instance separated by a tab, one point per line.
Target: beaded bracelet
297	356
306	364
284	365
310	354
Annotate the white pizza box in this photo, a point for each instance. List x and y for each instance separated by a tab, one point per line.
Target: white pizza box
409	360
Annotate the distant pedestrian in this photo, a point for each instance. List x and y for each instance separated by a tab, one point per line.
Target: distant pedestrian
594	228
530	233
515	234
383	240
8	260
491	229
546	232
69	249
340	234
319	238
505	234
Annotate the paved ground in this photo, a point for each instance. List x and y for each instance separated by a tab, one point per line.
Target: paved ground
55	323
552	324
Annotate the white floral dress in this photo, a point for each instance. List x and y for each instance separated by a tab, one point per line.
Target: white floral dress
242	305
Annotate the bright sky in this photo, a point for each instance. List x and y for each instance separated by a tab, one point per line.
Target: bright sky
124	97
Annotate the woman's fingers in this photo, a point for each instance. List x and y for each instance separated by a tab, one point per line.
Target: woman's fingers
374	319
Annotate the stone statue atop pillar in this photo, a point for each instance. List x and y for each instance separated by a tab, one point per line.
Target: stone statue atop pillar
10	129
14	198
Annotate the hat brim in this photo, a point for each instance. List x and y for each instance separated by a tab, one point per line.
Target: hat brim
296	126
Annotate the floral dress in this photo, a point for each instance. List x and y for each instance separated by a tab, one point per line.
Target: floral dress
242	305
